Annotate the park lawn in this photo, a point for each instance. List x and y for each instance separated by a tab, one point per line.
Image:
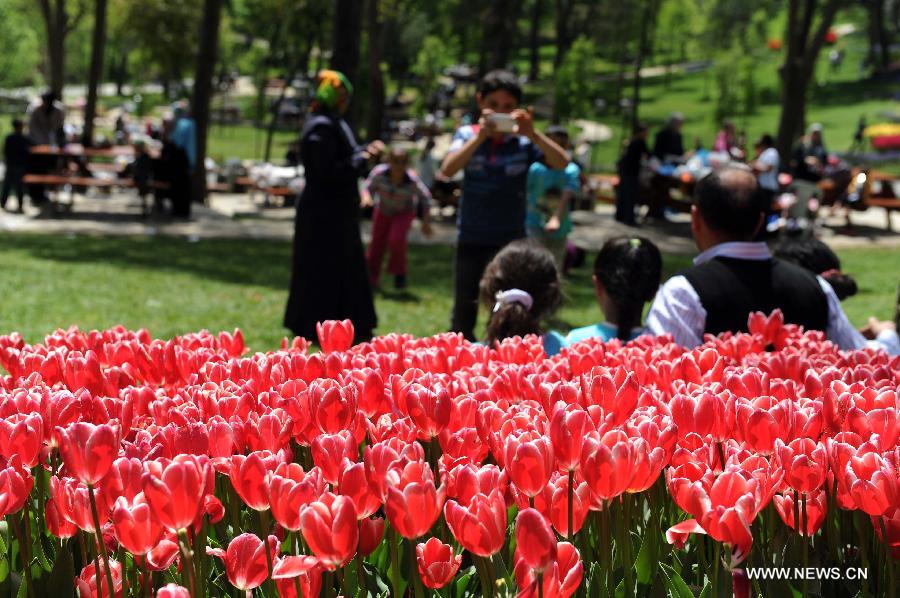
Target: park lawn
172	286
246	142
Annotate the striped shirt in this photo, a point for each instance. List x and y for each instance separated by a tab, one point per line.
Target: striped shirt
393	199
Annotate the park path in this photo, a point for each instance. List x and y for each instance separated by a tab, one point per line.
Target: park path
236	216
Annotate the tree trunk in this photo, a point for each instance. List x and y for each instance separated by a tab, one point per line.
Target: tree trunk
803	47
54	17
346	42
639	62
203	90
98	46
376	81
534	40
121	72
499	33
879	40
563	36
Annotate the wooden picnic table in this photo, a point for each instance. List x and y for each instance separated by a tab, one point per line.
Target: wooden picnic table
76	150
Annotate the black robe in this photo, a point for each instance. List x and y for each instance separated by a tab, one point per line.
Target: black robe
329	280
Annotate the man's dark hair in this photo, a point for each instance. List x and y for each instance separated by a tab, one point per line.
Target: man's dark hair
500	80
48	97
559	130
730	202
639	128
767	141
17	123
817	257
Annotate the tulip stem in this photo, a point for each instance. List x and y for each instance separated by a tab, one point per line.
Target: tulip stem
395	562
414	572
888	558
264	527
99	533
486	588
360	574
24	554
540	584
717	551
187	567
806	539
571	533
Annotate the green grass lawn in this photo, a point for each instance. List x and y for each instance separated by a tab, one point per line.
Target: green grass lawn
246	142
172	286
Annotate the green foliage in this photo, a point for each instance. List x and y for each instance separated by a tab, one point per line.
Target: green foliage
165	34
574	91
19	46
434	56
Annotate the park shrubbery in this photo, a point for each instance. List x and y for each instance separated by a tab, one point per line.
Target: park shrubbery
414	466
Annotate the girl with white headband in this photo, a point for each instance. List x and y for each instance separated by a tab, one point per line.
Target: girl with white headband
521	287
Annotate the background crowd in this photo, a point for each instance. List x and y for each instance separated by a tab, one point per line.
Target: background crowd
513	219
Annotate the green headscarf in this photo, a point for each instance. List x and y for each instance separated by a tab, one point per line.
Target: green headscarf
329	83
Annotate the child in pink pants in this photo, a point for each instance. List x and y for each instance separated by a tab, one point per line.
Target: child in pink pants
398	195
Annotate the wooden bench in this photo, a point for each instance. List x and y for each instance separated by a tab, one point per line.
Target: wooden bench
890	204
56	181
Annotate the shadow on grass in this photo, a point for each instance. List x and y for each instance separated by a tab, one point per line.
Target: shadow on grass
239	261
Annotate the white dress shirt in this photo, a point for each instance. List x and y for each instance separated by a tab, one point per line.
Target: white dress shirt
677	309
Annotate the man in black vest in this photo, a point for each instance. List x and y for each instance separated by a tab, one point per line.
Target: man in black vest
734	276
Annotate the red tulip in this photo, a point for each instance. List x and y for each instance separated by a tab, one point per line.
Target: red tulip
535	541
529	461
329	528
15	486
74	504
608	464
437	563
413	504
246	564
175	491
428	409
249	477
88	451
560	580
58	525
163	555
306	569
703	414
480	526
290	489
355	485
815	512
553	503
329	452
371	531
891	522
333	407
335	335
723	507
568	429
872	482
172	590
464	481
90	587
22	436
387	455
135	525
804	463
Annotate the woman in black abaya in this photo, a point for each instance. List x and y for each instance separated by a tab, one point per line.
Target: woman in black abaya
328	278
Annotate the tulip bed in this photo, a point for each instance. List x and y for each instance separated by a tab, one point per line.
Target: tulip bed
412	467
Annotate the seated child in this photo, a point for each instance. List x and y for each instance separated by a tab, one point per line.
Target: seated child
626	276
521	286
